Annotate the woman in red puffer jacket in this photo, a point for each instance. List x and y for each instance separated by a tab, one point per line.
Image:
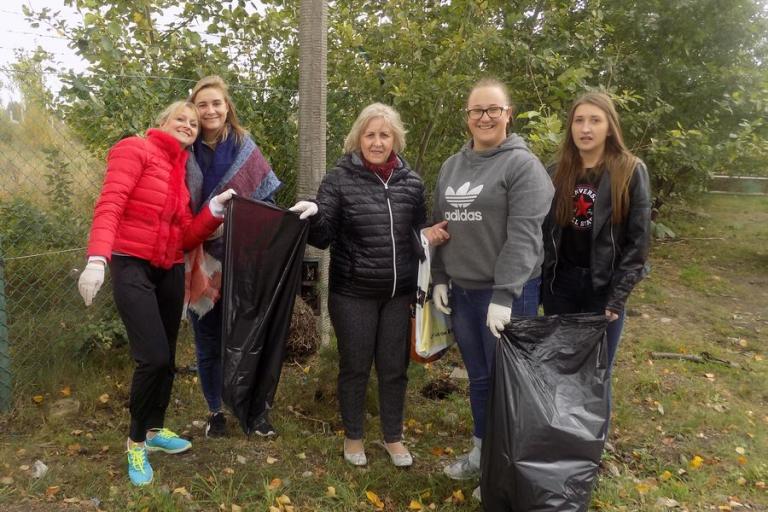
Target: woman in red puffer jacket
141	225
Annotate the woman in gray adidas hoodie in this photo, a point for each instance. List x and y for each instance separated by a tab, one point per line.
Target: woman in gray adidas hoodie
490	202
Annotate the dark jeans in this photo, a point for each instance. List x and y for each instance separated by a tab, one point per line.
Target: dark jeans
469	312
150	301
208	348
369	330
572	292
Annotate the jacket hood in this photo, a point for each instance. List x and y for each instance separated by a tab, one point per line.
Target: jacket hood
511	143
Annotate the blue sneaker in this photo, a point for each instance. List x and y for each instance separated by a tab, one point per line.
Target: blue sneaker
139	470
166	441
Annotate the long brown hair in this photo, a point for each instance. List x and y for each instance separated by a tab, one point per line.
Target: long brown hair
617	160
232	122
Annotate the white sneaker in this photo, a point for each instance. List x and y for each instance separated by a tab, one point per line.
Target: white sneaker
462	469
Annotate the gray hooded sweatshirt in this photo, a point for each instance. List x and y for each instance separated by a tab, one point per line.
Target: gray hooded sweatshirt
495	202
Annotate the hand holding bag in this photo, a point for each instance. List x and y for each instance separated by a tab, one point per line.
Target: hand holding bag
431	332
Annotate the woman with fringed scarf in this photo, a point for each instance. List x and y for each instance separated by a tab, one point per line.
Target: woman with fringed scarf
225	156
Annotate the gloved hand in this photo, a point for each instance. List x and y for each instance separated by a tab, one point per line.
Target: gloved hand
305	208
91	280
498	317
440	298
218	203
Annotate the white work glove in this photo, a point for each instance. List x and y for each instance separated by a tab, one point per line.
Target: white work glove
218	203
305	208
440	298
91	279
498	317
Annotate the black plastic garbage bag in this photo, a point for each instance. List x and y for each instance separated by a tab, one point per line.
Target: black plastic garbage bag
264	247
548	415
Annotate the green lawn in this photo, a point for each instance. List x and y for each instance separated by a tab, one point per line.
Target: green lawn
685	435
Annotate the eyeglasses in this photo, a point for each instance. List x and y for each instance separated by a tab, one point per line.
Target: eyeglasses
493	112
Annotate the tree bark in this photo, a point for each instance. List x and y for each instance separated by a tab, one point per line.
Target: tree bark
313	29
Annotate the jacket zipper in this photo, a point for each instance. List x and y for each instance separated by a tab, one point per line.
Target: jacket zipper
391	234
554	268
613	250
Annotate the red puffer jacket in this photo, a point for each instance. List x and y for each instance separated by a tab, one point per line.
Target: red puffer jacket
143	209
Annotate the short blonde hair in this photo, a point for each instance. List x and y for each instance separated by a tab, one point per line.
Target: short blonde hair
172	109
369	113
233	121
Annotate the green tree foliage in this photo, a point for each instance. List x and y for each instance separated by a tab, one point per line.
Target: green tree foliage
689	76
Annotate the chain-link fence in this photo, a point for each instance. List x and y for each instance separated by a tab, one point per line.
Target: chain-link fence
53	170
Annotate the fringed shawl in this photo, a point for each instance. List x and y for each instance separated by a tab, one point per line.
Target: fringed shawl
250	176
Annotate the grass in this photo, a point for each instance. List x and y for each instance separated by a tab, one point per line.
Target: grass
693	433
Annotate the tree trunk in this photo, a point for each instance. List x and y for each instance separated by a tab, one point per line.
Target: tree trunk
313	46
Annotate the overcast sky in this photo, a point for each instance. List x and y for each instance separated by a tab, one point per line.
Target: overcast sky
17	34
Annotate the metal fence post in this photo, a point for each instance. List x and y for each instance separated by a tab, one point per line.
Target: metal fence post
5	355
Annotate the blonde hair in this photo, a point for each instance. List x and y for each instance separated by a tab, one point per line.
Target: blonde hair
172	109
232	121
617	160
369	113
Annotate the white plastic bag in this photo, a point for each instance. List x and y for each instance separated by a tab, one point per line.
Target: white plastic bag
432	332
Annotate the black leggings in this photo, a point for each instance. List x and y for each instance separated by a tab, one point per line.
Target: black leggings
150	301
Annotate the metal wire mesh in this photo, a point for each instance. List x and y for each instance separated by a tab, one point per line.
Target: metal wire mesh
51	179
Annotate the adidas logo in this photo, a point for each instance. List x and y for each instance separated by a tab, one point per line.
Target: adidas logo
462	197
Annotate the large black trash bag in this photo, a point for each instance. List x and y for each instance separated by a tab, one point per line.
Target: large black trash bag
547	416
264	248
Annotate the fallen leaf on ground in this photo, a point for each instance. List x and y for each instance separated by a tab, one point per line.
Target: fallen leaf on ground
65	391
667	503
666	475
182	491
274	484
642	487
374	499
415	505
457	496
696	462
271	460
228	471
38	399
330	492
52	490
283	500
104	398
